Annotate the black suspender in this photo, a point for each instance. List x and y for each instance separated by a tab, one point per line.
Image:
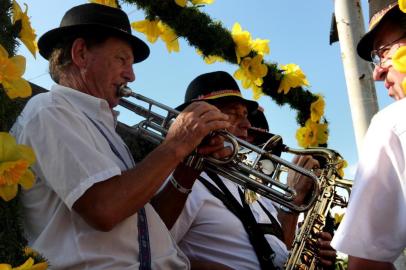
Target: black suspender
261	246
144	255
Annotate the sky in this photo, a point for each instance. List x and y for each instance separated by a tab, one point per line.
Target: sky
298	32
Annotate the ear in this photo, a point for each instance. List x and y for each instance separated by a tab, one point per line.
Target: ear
79	51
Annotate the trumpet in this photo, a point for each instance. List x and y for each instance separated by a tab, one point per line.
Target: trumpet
155	127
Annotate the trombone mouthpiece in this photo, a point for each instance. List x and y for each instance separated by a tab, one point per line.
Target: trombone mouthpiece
124	91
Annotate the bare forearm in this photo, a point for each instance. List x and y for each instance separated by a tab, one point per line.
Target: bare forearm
355	263
288	223
109	202
170	202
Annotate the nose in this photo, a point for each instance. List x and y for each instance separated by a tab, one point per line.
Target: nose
380	72
129	74
244	123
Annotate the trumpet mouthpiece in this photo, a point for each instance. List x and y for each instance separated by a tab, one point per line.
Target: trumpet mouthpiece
124	91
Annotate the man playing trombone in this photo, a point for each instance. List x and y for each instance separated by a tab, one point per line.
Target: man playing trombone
215	228
89	208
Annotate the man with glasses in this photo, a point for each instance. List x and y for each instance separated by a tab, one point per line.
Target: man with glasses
373	231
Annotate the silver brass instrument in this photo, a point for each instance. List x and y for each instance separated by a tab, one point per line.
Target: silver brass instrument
155	127
303	255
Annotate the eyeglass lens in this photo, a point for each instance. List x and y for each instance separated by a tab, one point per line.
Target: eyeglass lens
379	54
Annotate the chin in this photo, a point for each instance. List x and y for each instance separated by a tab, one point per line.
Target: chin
113	103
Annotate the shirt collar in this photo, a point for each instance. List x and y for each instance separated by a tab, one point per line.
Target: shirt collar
94	107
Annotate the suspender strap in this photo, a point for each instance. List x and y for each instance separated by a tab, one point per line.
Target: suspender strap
144	255
275	228
261	246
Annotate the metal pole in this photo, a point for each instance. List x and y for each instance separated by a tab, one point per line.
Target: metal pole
358	73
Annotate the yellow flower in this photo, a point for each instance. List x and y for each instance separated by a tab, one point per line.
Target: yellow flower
404	85
251	71
399	59
27	33
210	59
340	167
28	265
337	218
148	28
28	251
261	46
15	160
317	109
11	70
181	3
293	76
110	3
402	5
202	2
312	134
257	92
40	266
169	37
242	40
25	266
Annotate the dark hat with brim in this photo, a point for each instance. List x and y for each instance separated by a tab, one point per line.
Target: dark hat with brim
93	19
215	87
380	11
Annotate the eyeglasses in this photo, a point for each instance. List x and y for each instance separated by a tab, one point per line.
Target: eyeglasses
378	56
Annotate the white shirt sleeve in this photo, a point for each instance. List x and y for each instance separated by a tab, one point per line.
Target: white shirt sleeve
189	213
66	155
374	226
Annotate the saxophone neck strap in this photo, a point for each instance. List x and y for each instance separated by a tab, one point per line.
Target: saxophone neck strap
262	249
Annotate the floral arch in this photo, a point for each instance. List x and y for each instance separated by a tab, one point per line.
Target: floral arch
165	19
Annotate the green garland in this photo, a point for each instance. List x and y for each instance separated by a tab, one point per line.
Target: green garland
12	240
213	39
199	30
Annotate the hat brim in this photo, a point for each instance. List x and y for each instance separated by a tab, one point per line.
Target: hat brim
251	105
366	43
50	39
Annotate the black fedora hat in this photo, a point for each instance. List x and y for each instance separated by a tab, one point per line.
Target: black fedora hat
379	12
214	87
93	18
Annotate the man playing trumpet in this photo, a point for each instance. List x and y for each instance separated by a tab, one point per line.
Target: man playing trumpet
215	227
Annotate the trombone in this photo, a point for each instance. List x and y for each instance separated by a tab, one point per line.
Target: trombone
235	167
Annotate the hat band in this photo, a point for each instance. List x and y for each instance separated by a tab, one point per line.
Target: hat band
378	16
219	94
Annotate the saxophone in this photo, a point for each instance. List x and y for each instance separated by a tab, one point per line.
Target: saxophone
303	255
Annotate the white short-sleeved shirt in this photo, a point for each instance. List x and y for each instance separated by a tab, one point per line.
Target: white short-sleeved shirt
206	230
374	226
72	155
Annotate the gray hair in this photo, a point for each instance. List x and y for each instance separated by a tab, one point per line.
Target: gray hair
61	59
